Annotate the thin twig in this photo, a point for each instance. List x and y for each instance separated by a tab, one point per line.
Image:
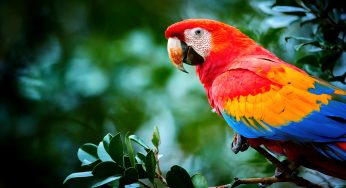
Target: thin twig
270	180
163	180
266	181
273	160
288	176
159	172
222	186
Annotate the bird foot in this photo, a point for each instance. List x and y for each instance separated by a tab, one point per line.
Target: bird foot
239	143
292	167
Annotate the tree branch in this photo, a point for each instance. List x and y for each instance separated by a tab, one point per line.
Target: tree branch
299	181
287	175
274	160
159	172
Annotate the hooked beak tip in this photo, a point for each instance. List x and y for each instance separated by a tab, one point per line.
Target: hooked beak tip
176	53
182	68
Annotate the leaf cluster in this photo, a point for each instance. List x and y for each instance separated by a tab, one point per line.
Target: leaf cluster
115	163
327	41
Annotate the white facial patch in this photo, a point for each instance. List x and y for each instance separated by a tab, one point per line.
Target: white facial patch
199	39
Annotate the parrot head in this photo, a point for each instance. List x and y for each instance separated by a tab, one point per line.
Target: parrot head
198	41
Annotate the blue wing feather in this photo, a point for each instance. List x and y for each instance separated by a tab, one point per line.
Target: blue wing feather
316	127
328	125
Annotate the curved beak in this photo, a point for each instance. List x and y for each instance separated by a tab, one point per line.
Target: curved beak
176	53
180	53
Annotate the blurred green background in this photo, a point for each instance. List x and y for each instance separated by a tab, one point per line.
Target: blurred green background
72	71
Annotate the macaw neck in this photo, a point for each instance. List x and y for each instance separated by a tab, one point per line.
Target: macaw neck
209	70
218	63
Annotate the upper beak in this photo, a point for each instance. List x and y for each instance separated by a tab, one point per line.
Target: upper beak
176	52
180	53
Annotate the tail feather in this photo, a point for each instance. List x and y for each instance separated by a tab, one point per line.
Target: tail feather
327	166
340	150
332	151
341	145
329	159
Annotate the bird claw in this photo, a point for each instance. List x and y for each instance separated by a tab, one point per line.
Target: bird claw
291	165
239	143
278	173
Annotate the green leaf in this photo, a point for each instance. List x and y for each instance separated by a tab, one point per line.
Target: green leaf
297	11
140	158
156	138
286	3
298	38
106	169
102	153
107	180
127	162
177	177
139	141
78	175
130	176
329	60
313	43
130	151
87	154
106	140
91	165
116	149
133	185
199	181
309	59
283	8
150	165
311	20
313	70
141	172
312	6
305	41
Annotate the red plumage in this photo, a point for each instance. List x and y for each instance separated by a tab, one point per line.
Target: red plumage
242	68
305	155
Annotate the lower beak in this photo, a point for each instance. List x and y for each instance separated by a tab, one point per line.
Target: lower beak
180	53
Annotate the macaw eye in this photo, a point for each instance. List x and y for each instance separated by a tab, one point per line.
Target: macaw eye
199	39
198	32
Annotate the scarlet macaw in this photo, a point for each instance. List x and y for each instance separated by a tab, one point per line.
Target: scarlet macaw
264	99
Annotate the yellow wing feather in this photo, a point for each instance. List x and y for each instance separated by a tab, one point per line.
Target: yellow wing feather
279	106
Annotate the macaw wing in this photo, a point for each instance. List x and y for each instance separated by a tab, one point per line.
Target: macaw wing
260	97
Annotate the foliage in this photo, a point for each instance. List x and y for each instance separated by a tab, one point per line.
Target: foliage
72	71
322	50
115	163
327	40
